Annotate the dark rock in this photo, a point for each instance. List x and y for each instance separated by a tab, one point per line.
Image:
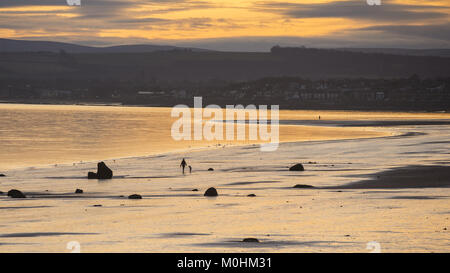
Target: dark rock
78	191
210	169
297	167
2	175
251	195
195	190
98	206
1	192
250	240
301	186
103	172
16	194
135	196
211	192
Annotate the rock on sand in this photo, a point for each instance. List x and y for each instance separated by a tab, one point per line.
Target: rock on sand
16	194
103	172
297	167
211	192
302	186
250	240
135	196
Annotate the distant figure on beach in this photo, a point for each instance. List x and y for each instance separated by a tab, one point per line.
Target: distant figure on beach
190	169
319	117
183	164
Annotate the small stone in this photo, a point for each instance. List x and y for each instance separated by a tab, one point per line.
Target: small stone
2	175
92	175
98	205
211	192
302	186
250	240
195	190
210	169
78	191
135	196
251	195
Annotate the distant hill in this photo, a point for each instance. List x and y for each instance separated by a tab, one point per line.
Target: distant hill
8	45
402	51
187	65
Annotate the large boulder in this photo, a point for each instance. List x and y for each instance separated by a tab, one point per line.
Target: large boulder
297	168
211	192
16	194
103	172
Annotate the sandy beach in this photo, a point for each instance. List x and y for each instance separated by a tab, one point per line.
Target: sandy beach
392	188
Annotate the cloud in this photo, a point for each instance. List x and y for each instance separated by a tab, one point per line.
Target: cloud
19	3
177	22
357	9
437	32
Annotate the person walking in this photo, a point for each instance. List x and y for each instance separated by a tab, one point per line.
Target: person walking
183	164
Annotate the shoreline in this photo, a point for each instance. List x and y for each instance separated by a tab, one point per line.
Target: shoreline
198	149
381	123
120	104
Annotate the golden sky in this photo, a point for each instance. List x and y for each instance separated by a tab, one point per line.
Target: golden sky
218	22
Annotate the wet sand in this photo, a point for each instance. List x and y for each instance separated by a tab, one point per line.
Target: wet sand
405	177
393	190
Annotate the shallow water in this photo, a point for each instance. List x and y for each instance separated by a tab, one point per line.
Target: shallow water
173	218
33	135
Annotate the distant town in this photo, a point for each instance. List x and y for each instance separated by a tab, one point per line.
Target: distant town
412	93
291	77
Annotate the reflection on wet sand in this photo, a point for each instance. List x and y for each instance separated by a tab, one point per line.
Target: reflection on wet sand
364	190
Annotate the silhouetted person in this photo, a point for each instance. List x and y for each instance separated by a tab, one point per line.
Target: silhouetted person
183	164
190	169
